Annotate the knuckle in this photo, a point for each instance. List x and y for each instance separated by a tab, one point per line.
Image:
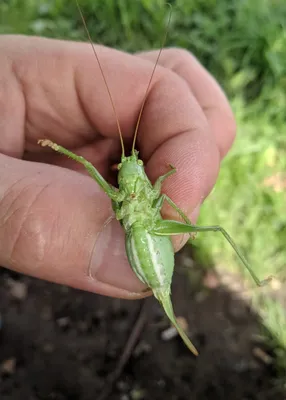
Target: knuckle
171	83
178	54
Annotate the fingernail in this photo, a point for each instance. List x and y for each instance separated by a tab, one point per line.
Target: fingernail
109	263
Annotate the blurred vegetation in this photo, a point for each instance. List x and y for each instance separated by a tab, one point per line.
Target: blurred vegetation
243	44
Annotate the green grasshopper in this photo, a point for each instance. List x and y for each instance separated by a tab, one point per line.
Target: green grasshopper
137	205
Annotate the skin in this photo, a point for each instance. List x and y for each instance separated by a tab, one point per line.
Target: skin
54	220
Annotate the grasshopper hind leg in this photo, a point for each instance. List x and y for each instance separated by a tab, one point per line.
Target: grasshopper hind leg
169	227
176	228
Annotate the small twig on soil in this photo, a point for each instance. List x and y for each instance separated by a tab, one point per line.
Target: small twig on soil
127	352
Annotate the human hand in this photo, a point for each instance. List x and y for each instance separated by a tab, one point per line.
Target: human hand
52	218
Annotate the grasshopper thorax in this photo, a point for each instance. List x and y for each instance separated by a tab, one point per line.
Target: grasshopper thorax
131	169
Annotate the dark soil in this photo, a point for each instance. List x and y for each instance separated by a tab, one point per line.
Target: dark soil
60	343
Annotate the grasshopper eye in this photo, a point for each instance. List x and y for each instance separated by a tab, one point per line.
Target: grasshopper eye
119	166
140	162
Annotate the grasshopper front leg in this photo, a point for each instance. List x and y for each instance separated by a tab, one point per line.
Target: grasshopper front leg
169	227
108	189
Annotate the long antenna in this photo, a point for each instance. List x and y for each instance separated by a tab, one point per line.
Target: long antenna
103	76
150	80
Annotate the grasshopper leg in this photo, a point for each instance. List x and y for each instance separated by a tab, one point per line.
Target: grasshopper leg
163	197
159	200
159	203
168	227
160	180
108	189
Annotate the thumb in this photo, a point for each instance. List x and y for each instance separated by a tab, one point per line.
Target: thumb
53	226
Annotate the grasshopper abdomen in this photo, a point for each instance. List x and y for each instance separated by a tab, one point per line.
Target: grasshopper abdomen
151	257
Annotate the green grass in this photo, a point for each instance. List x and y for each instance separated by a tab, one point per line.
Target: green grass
243	44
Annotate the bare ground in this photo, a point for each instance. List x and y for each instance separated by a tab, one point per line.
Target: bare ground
60	343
